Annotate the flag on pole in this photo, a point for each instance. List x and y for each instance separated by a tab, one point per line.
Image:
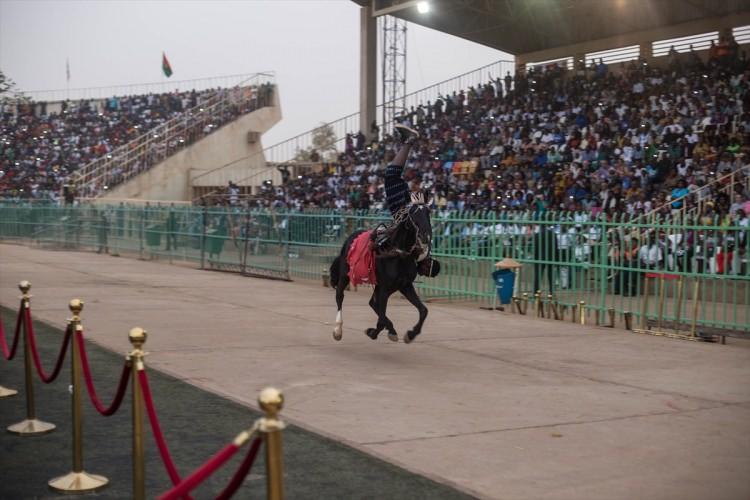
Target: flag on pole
67	69
165	67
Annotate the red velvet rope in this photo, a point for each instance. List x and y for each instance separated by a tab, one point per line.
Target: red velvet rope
35	354
201	473
121	386
242	471
10	354
156	429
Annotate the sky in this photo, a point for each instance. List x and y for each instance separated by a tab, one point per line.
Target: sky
311	45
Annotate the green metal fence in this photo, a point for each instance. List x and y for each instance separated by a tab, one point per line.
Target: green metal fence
608	264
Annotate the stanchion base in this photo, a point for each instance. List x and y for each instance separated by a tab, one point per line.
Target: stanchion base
681	336
78	482
31	427
5	392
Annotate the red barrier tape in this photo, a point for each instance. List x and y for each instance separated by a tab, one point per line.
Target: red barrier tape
35	354
242	471
121	386
200	474
156	429
10	354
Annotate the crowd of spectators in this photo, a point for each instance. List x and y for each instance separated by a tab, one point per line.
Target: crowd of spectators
40	147
596	139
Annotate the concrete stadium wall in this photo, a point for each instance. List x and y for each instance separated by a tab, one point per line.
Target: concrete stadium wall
173	179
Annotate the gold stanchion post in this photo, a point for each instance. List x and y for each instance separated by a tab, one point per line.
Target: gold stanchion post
582	312
525	302
678	312
662	297
628	317
573	309
550	307
694	324
137	338
644	303
611	312
539	304
77	481
554	308
271	401
31	425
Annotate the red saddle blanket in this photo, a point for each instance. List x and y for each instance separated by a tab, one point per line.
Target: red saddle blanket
361	261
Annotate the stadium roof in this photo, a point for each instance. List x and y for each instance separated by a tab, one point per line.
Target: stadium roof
524	26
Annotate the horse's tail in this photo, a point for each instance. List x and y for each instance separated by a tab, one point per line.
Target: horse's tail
335	272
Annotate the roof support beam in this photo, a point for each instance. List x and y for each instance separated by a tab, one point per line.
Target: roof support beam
395	8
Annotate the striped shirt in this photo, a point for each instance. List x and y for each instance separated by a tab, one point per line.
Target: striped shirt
396	189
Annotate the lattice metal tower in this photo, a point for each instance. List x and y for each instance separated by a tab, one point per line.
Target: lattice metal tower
394	70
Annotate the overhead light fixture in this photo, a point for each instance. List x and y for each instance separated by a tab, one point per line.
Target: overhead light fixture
423	7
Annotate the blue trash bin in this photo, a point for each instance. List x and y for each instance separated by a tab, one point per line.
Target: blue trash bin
504	282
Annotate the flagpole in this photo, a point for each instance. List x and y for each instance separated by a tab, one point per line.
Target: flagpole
67	79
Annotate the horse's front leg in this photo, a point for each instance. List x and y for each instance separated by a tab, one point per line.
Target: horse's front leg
381	303
374	332
411	295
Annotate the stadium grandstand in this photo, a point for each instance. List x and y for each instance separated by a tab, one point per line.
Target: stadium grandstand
124	141
599	118
594	116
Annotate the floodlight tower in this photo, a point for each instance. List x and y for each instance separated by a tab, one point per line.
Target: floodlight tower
394	69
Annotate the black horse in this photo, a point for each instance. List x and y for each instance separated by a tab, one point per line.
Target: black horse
405	254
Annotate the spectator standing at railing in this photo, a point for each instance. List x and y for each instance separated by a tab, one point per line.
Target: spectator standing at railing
677	193
234	193
171	228
120	217
624	253
545	254
737	204
102	232
650	254
375	131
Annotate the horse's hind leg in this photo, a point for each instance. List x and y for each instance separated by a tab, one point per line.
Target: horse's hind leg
338	330
411	295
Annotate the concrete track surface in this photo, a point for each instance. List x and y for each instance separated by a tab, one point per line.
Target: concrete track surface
495	404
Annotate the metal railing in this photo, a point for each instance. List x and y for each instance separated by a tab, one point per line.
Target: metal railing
158	143
607	264
104	92
691	205
288	150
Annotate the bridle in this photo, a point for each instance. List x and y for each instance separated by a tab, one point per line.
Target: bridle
402	216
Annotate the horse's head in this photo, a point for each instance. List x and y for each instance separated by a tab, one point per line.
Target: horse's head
418	214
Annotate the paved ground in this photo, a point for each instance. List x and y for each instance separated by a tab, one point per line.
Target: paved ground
196	425
499	405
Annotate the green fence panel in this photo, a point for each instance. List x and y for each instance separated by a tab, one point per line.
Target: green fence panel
662	267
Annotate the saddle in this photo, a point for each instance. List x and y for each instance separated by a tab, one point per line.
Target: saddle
380	244
379	237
